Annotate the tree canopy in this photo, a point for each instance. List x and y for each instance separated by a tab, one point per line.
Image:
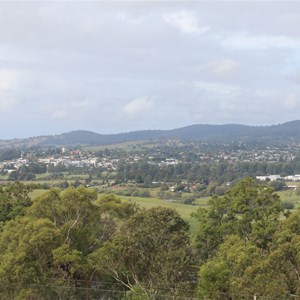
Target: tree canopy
73	244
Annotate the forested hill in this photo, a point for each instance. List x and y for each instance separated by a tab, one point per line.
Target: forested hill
282	133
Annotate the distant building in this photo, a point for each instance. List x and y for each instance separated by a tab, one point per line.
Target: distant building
269	177
276	177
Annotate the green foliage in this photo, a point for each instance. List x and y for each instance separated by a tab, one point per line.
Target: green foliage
68	263
14	198
220	276
28	171
72	244
288	205
248	209
9	154
151	252
74	212
276	272
264	262
113	205
54	240
214	280
26	246
134	192
278	185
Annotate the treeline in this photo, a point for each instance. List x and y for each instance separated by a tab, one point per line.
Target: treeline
193	171
73	245
144	172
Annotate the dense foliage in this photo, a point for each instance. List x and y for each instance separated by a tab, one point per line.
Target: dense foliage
72	244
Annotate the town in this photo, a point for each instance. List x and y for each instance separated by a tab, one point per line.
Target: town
119	160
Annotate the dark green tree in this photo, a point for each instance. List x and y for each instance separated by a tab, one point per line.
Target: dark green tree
14	198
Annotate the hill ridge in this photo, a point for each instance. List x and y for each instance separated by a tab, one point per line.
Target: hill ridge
280	133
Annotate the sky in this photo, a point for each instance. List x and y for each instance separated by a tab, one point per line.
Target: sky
119	66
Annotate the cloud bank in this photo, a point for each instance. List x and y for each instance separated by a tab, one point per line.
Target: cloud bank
92	65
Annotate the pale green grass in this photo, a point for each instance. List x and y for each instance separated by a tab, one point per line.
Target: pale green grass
77	176
184	210
289	196
202	201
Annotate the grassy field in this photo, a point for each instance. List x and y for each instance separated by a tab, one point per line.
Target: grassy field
290	196
184	210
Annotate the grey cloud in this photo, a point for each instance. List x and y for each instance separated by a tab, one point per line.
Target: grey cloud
102	65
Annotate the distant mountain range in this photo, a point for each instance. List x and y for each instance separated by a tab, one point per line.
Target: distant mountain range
274	134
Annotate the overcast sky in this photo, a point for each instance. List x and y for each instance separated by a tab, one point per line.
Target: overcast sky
116	66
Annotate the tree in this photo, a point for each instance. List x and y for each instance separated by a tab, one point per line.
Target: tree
23	173
278	185
249	210
263	260
114	207
219	277
26	246
276	272
151	253
14	198
54	240
74	212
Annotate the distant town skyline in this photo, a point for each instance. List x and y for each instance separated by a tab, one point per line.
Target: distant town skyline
120	66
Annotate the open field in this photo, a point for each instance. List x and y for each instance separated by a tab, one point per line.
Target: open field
290	196
184	210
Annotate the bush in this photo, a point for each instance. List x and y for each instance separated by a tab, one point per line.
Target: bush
288	205
278	185
144	194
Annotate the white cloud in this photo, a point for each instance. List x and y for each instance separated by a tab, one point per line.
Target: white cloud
185	21
83	103
244	41
266	93
129	19
225	67
219	89
137	106
7	104
8	79
291	101
59	114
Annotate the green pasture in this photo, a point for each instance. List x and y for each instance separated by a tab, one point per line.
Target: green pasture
184	210
76	176
289	196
